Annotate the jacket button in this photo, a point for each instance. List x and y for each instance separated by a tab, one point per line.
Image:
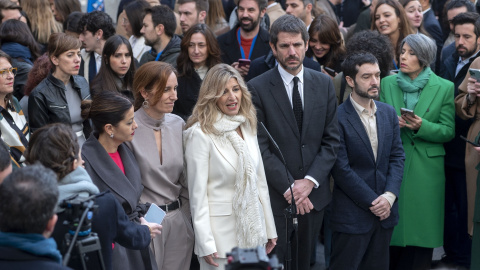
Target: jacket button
301	169
303	145
413	143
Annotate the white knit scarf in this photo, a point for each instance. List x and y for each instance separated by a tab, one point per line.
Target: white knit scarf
249	221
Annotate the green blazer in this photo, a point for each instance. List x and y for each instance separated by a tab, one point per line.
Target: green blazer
422	194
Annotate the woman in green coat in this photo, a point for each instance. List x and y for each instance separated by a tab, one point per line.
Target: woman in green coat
423	132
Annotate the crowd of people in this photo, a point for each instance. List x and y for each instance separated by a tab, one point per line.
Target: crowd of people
249	123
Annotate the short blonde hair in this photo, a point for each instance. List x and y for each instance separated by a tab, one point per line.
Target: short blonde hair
206	110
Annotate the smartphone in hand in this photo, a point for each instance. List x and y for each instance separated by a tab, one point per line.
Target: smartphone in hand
474	73
405	111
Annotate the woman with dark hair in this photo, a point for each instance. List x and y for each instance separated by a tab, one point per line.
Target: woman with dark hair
429	124
112	166
133	23
58	97
155	88
14	129
55	146
17	41
199	52
326	43
117	69
62	8
389	19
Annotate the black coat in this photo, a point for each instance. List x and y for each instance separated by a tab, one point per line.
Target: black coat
112	225
267	62
14	259
455	149
48	103
187	93
228	43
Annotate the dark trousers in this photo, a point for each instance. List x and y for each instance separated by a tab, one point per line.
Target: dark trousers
457	243
410	257
361	251
308	229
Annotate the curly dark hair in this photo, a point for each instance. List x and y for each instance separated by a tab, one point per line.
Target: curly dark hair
95	21
376	44
41	68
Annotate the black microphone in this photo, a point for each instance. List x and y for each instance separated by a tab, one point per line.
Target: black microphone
292	209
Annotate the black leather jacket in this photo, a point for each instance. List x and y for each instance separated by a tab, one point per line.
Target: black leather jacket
48	103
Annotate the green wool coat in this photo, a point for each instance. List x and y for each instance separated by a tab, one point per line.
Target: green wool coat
422	194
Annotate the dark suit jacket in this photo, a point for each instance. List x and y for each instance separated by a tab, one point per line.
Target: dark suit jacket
311	153
267	62
359	178
432	26
187	93
455	149
228	43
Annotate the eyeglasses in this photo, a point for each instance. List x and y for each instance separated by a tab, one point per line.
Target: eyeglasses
4	72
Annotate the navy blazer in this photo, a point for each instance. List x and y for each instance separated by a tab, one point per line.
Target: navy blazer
359	178
310	152
228	43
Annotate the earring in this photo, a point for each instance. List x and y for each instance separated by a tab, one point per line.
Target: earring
145	104
111	135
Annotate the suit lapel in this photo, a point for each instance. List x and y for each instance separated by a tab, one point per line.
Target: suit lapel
357	125
381	120
109	173
309	99
279	93
225	149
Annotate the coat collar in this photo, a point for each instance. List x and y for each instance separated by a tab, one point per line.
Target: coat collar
127	186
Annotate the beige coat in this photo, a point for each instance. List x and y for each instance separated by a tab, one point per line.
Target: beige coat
274	12
471	157
211	169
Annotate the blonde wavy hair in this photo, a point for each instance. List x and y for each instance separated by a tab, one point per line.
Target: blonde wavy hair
206	110
42	22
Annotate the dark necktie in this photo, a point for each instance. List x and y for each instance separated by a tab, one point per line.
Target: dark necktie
92	67
297	104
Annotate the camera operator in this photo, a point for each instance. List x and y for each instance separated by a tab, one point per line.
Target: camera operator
56	147
27	218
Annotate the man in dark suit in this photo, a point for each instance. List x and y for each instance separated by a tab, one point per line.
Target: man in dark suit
368	171
307	135
457	243
248	33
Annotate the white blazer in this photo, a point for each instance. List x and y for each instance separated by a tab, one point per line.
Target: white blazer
211	168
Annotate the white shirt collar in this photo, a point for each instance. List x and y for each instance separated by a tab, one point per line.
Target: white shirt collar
287	77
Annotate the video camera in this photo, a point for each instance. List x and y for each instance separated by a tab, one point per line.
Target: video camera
79	212
251	258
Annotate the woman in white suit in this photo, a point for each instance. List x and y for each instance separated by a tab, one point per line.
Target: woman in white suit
228	190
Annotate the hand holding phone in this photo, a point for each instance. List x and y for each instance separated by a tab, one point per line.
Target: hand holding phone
405	111
243	62
330	71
